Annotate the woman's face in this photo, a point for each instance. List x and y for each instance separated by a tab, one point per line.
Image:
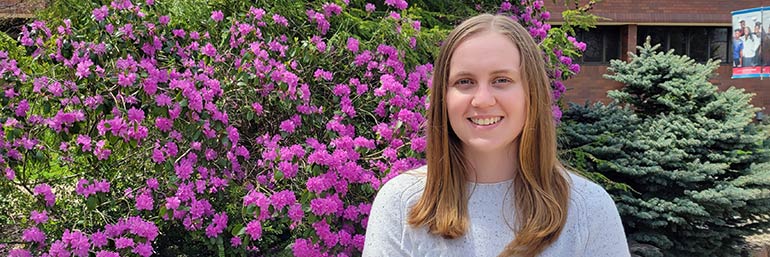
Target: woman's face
485	96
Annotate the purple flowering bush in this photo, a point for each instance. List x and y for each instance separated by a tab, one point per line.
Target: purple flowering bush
260	130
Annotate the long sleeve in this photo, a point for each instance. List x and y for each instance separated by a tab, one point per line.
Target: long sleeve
386	223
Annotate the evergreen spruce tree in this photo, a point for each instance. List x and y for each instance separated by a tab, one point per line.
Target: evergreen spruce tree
694	161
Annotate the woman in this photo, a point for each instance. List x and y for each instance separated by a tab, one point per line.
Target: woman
750	48
492	185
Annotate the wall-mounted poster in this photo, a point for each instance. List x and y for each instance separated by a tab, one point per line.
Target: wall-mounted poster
751	43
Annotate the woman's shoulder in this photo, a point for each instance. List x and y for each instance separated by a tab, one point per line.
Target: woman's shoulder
586	194
405	186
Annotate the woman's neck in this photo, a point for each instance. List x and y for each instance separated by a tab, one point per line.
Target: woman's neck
492	166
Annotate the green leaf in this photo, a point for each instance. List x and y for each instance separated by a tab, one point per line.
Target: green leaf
238	229
91	202
220	247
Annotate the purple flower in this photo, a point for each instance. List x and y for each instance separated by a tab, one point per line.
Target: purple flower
369	7
296	213
556	112
574	68
363	58
142	228
545	15
324	206
124	242
282	199
257	108
255	198
104	253
232	134
331	9
418	144
19	253
102	186
200	208
45	190
38	217
305	248
280	20
291	124
100	13
257	12
352	44
143	249
326	75
58	248
235	241
126	79
33	234
77	241
184	168
9	173
209	50
100	152
98	239
217	15
254	230
22	108
144	201
135	115
163	124
394	15
289	169
505	6
537	4
152	183
164	20
172	203
83	68
218	224
399	4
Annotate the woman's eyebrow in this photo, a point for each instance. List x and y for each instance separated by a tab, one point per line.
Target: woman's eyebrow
505	71
470	74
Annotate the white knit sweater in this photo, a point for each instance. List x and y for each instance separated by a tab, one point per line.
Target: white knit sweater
593	227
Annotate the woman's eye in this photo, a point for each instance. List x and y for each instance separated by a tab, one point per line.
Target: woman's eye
502	81
464	82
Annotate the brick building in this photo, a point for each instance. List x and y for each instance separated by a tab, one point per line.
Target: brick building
699	28
20	8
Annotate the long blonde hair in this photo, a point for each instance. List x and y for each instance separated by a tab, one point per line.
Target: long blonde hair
541	188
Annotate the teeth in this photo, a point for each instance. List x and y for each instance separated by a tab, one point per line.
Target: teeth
486	122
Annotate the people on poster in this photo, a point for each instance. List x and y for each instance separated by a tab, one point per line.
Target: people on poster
759	33
737	48
743	27
751	42
765	49
750	47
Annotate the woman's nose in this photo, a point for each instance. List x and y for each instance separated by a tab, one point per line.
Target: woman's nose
483	97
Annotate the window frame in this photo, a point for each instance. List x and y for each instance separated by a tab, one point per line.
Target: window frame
710	31
606	31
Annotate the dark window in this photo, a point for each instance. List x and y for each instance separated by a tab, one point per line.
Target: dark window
699	43
602	44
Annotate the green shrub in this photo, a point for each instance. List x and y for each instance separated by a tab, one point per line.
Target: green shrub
690	155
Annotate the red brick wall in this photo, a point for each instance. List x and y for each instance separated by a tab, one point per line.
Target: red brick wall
20	8
662	11
589	84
